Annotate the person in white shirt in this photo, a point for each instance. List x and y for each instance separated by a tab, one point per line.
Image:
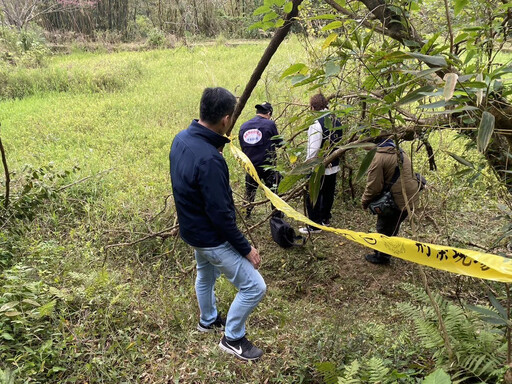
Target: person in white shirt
318	134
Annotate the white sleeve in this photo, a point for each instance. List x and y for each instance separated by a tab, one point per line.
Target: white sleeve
314	140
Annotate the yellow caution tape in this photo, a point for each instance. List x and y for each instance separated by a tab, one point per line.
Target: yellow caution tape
456	260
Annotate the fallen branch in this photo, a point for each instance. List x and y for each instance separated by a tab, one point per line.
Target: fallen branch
84	179
172	231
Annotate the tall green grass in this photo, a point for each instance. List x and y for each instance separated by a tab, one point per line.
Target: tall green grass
102	111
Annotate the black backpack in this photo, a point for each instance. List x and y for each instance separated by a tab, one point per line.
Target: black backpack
283	234
333	135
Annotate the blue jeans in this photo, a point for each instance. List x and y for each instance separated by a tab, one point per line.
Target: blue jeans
211	262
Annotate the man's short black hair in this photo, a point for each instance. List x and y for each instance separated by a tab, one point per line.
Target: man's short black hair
215	104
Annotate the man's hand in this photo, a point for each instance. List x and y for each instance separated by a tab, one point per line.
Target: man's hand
254	257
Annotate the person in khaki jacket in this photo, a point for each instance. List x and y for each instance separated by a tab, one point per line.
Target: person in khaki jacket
380	174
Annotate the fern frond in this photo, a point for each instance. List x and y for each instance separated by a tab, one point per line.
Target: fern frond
350	374
377	370
328	371
428	333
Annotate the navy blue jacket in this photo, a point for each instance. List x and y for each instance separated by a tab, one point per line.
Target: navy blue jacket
255	140
200	185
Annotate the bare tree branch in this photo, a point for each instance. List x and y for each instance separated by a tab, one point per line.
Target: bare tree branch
7	177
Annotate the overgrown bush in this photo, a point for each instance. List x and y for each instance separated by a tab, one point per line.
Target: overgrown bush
156	38
25	48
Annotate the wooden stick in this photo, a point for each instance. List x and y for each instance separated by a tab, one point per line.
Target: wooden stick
7	177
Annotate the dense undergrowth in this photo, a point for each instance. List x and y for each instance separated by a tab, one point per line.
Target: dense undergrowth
82	300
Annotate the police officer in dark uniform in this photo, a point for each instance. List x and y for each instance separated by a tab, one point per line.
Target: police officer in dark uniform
259	144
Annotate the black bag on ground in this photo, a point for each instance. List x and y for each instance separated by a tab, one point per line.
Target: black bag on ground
283	234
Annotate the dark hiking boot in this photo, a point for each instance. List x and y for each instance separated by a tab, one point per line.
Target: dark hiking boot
242	348
377	259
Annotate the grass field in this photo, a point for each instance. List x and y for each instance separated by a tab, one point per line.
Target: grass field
128	313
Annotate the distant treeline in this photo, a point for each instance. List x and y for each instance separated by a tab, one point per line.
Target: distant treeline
125	17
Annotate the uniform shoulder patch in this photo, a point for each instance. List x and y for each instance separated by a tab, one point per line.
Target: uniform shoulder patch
252	136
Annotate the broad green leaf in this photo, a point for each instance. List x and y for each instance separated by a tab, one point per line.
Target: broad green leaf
473	84
501	71
497	305
422	73
267	25
437	377
300	80
483	311
438	61
505	6
327	16
270	16
9	305
288	7
7	336
12	313
461	160
411	43
315	183
329	40
341	2
437	104
456	110
279	3
469	55
414	6
449	86
333	25
365	164
458	5
485	131
494	320
306	167
32	302
461	37
426	48
288	182
415	95
261	10
256	25
293	69
331	69
47	309
279	23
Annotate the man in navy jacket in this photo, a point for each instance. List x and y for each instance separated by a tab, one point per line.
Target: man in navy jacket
258	142
207	219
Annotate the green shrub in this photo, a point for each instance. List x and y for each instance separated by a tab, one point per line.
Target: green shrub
156	38
33	342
